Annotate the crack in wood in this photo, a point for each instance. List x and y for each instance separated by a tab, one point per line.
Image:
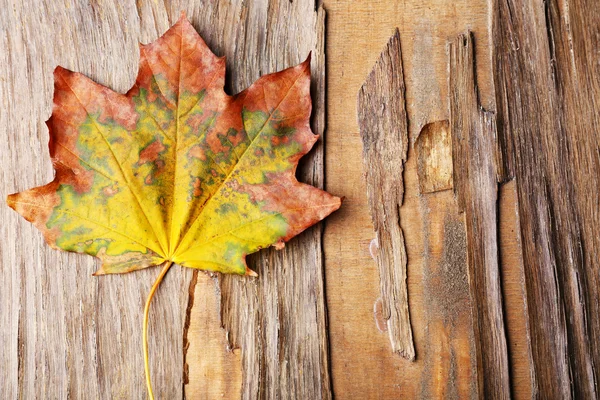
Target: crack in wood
186	328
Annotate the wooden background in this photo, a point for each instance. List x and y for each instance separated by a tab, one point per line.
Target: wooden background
517	247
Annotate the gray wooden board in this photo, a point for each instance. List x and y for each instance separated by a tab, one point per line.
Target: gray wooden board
64	332
68	334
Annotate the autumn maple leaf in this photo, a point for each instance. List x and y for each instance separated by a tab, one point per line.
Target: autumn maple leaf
176	170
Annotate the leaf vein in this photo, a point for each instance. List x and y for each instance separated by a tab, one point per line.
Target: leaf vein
128	184
230	232
252	141
91	221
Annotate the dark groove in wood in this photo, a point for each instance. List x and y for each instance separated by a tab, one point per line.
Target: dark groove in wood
186	327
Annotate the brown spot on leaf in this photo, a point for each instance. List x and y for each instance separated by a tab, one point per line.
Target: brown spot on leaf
111	190
197	152
235	137
197	187
214	143
195	121
280	140
150	153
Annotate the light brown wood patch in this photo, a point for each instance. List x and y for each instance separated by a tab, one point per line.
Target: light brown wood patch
216	368
434	152
356	32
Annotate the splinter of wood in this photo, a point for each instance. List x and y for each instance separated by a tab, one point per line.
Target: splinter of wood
383	128
473	132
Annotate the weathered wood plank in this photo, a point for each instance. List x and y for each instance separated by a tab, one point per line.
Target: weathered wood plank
440	314
473	133
65	333
277	320
449	370
383	127
240	34
547	85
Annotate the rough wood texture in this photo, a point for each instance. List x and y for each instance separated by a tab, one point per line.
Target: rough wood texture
66	334
473	133
547	82
383	127
277	320
440	309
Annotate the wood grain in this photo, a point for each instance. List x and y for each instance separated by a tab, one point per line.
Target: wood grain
473	132
547	85
438	291
63	331
383	128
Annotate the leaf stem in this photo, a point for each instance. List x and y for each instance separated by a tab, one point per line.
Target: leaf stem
162	274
